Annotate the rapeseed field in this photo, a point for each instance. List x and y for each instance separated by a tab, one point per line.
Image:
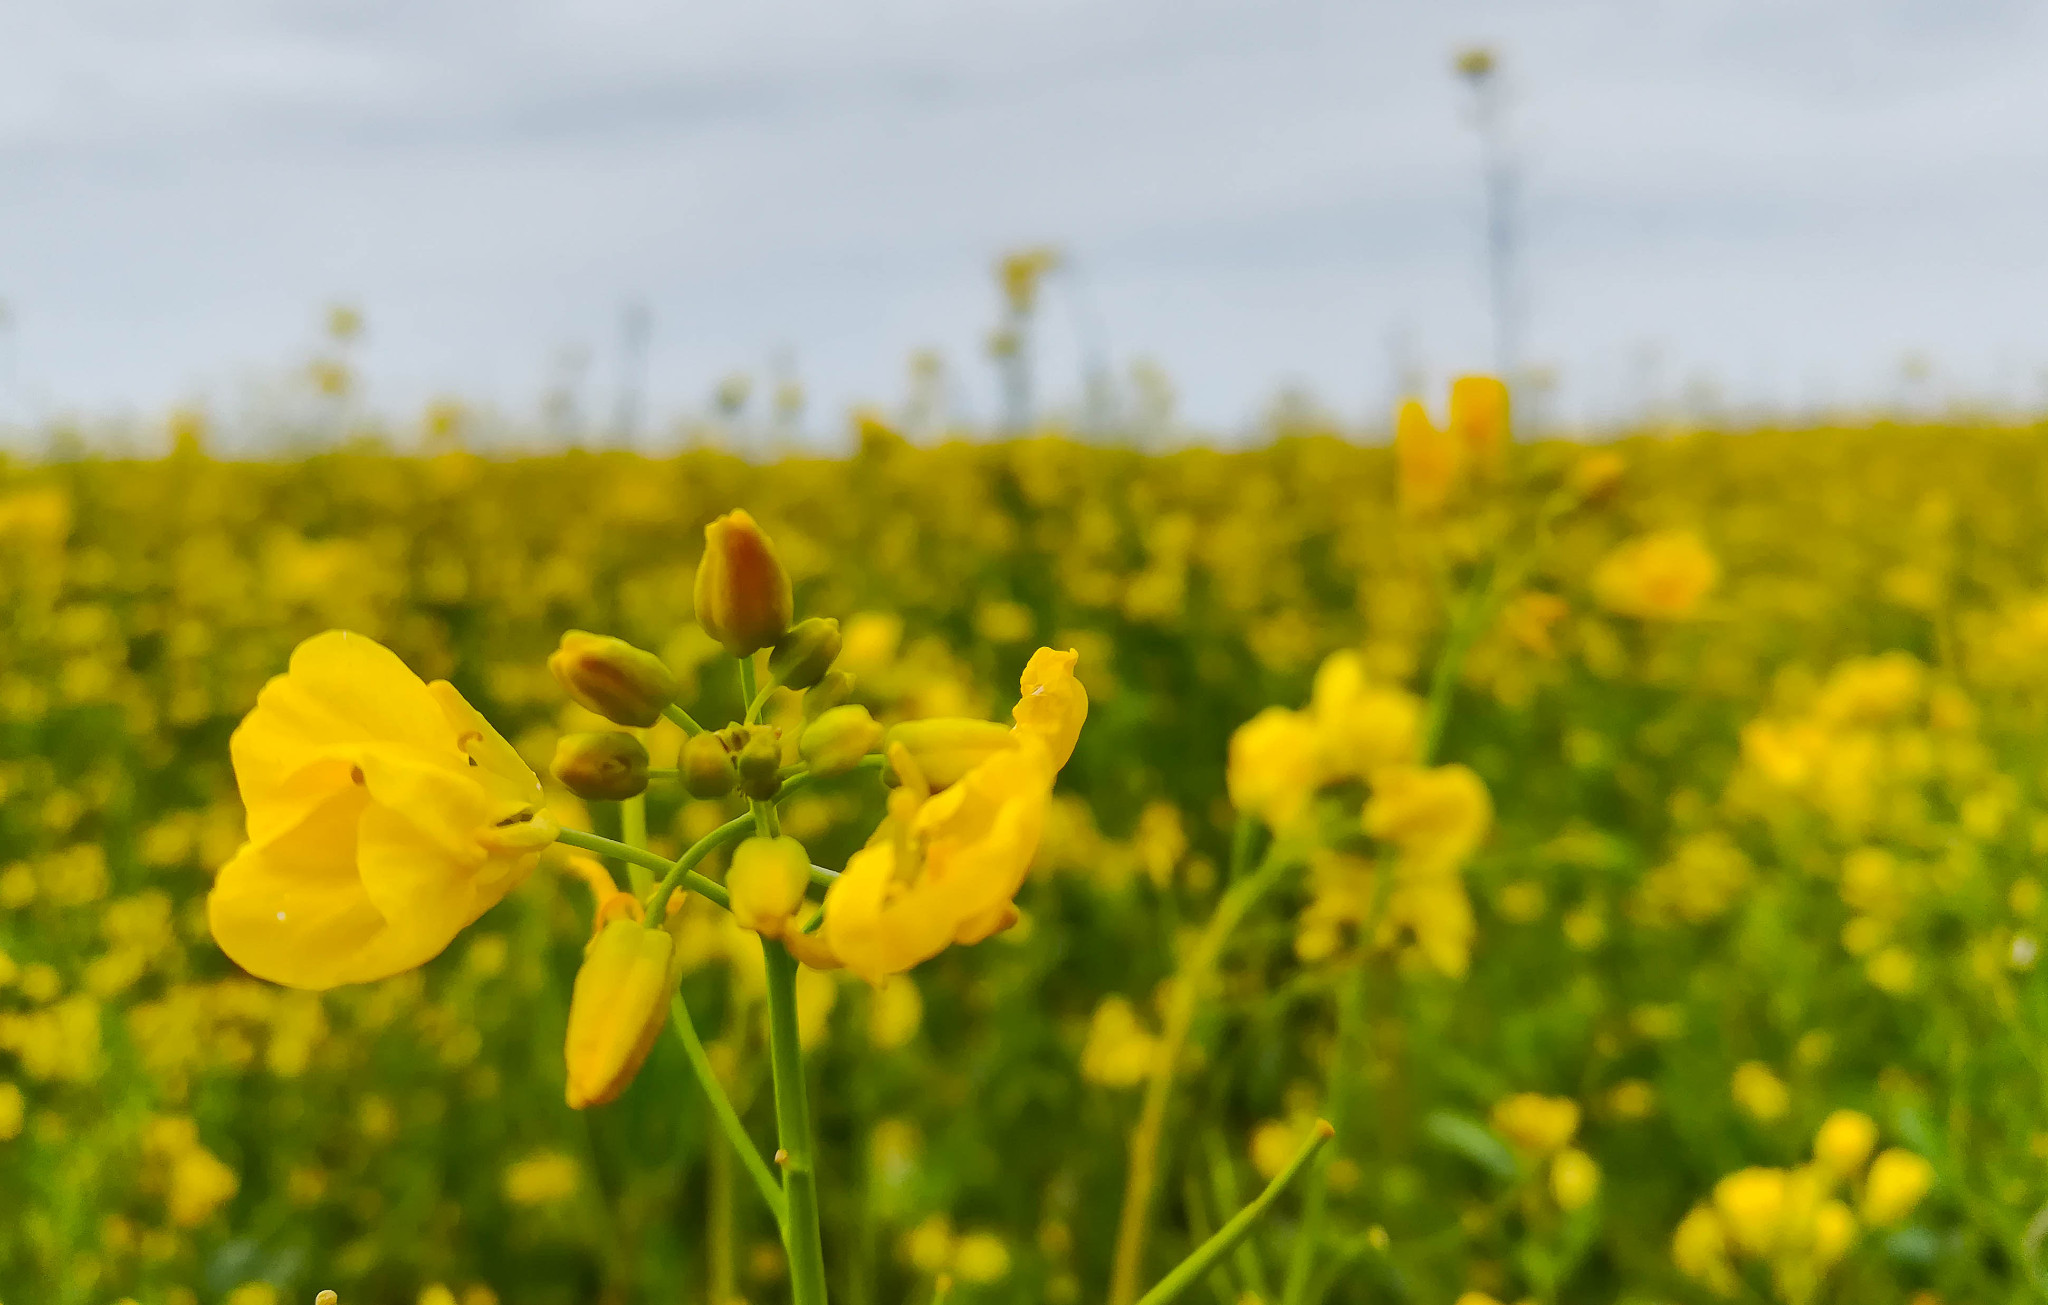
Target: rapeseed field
1504	871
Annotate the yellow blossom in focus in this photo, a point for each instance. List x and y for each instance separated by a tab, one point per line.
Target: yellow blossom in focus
1657	577
385	815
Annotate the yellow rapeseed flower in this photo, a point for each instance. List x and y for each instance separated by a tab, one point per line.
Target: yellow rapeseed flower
1536	1125
1700	1250
1362	726
1657	577
1844	1142
1437	816
1276	765
942	868
1479	420
1429	462
1750	1203
1760	1093
384	815
1897	1181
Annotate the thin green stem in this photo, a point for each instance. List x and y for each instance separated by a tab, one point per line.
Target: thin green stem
682	718
1191	982
800	1237
1315	1200
1190	1271
633	833
676	873
721	1109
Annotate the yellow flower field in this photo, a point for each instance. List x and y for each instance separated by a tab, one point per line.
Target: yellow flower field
1633	852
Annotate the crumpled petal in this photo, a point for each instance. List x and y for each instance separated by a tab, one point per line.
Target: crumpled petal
1054	706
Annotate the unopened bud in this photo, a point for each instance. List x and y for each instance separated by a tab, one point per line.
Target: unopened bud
706	765
759	763
602	767
802	656
767	882
623	684
743	595
834	689
836	741
617	1008
947	747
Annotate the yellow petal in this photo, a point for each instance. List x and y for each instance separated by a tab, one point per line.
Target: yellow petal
340	690
502	769
1054	706
292	910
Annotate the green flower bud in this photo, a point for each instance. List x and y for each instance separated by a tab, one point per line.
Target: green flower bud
611	677
759	763
602	767
802	656
706	765
836	741
767	882
835	688
743	595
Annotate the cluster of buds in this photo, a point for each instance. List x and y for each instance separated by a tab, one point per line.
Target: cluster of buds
744	601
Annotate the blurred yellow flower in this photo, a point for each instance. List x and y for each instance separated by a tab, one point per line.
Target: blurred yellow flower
1479	420
385	815
1429	462
1657	577
1361	726
1574	1179
1436	816
543	1178
1276	766
1761	1094
1700	1251
1844	1141
1536	1125
1120	1051
1750	1204
1898	1179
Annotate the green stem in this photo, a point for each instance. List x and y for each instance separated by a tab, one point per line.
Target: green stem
675	873
1190	983
682	718
1316	1199
633	833
800	1236
1190	1271
721	1109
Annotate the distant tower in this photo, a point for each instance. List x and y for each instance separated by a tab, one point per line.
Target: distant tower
1481	71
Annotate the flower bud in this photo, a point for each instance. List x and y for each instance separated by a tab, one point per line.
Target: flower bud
830	692
616	1009
836	741
706	765
1845	1140
802	656
743	594
611	677
602	767
1574	1179
947	747
760	760
767	882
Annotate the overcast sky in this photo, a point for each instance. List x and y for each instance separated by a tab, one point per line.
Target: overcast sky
1782	198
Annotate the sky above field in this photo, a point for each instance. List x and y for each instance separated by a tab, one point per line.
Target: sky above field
1742	202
